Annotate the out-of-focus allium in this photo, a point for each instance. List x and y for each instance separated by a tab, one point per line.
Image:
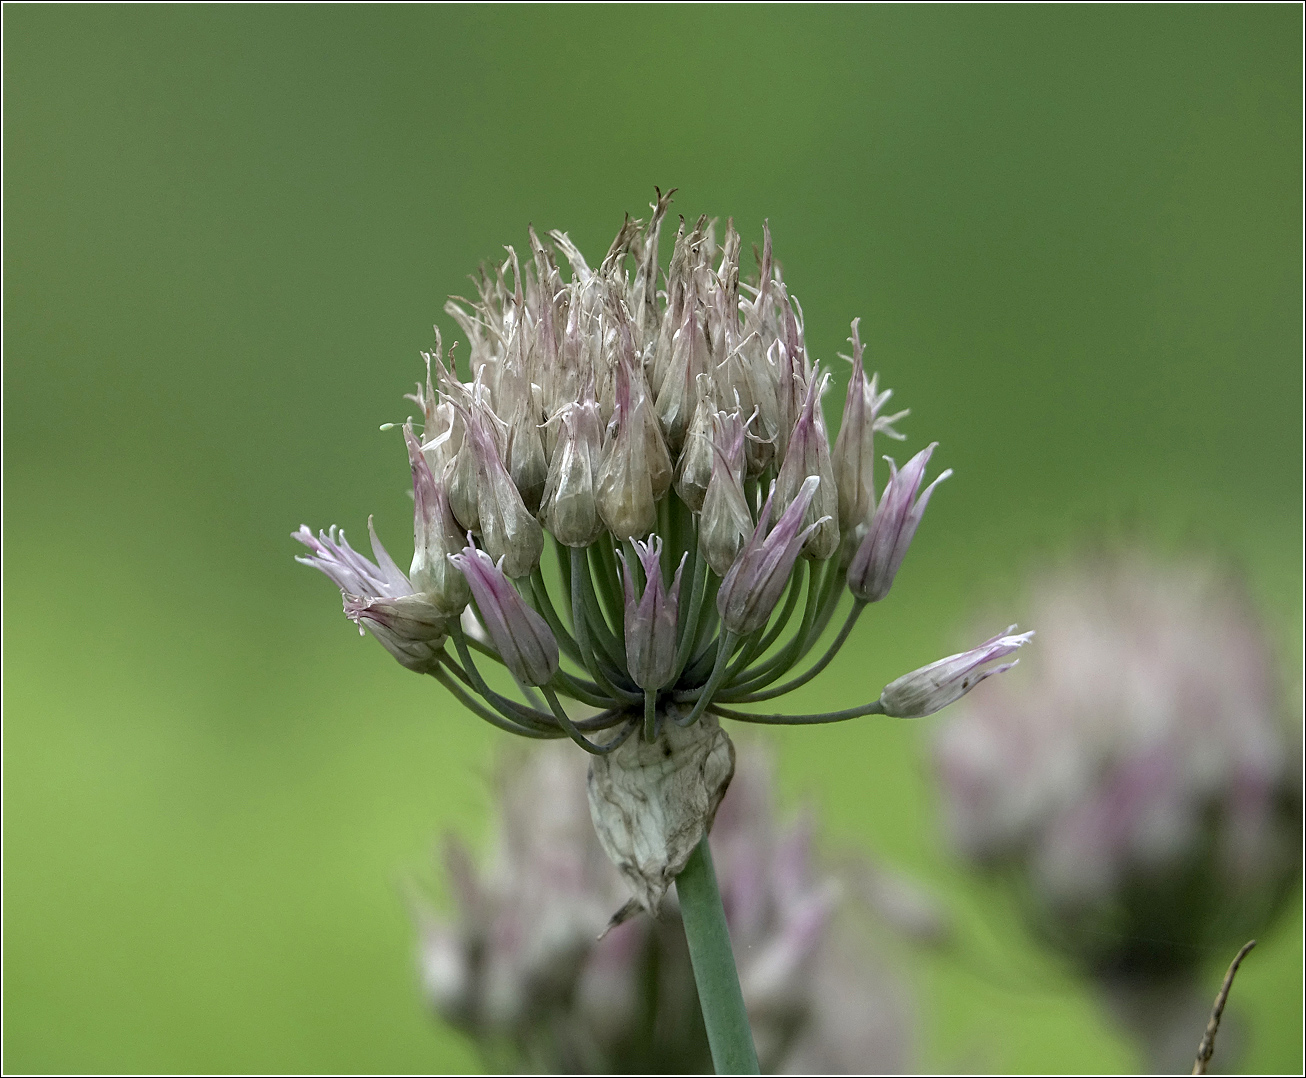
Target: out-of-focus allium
521	969
1138	783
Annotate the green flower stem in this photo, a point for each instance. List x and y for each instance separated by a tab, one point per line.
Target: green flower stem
689	628
482	712
543	605
787	611
576	579
719	995
520	713
650	715
564	720
779	690
875	708
727	645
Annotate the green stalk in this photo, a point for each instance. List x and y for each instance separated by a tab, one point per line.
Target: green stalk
719	996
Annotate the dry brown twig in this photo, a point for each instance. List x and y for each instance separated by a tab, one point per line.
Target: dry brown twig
1207	1047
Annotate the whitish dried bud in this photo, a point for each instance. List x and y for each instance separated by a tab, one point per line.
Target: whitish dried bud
436	535
678	393
526	463
927	690
569	508
523	638
509	532
651	802
854	449
726	523
626	493
652	620
694	471
808	454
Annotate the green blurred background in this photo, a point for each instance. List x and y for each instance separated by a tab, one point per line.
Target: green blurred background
1073	236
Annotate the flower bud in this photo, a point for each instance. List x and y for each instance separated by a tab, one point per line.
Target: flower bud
725	523
631	467
678	393
523	638
756	580
808	454
409	627
652	621
925	691
378	597
435	536
694	472
569	509
854	449
510	534
526	463
871	572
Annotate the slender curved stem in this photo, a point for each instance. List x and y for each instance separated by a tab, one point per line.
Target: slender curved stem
482	712
564	720
528	716
544	606
577	576
650	715
719	995
779	690
718	673
800	720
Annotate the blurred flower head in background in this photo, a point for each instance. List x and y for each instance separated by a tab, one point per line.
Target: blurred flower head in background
1139	780
522	969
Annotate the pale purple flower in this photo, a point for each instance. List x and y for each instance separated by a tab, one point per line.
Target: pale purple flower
756	580
379	597
651	621
523	639
1142	765
876	563
927	690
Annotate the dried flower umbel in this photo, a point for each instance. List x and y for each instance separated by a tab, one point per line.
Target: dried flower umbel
639	489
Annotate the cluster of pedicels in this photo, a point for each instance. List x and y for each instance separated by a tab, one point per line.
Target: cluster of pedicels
661	434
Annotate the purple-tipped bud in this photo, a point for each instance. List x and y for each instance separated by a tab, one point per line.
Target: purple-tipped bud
925	691
652	620
379	598
436	535
871	572
522	638
756	580
512	537
808	454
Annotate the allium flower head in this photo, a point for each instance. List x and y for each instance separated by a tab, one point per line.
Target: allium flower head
1138	778
667	420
